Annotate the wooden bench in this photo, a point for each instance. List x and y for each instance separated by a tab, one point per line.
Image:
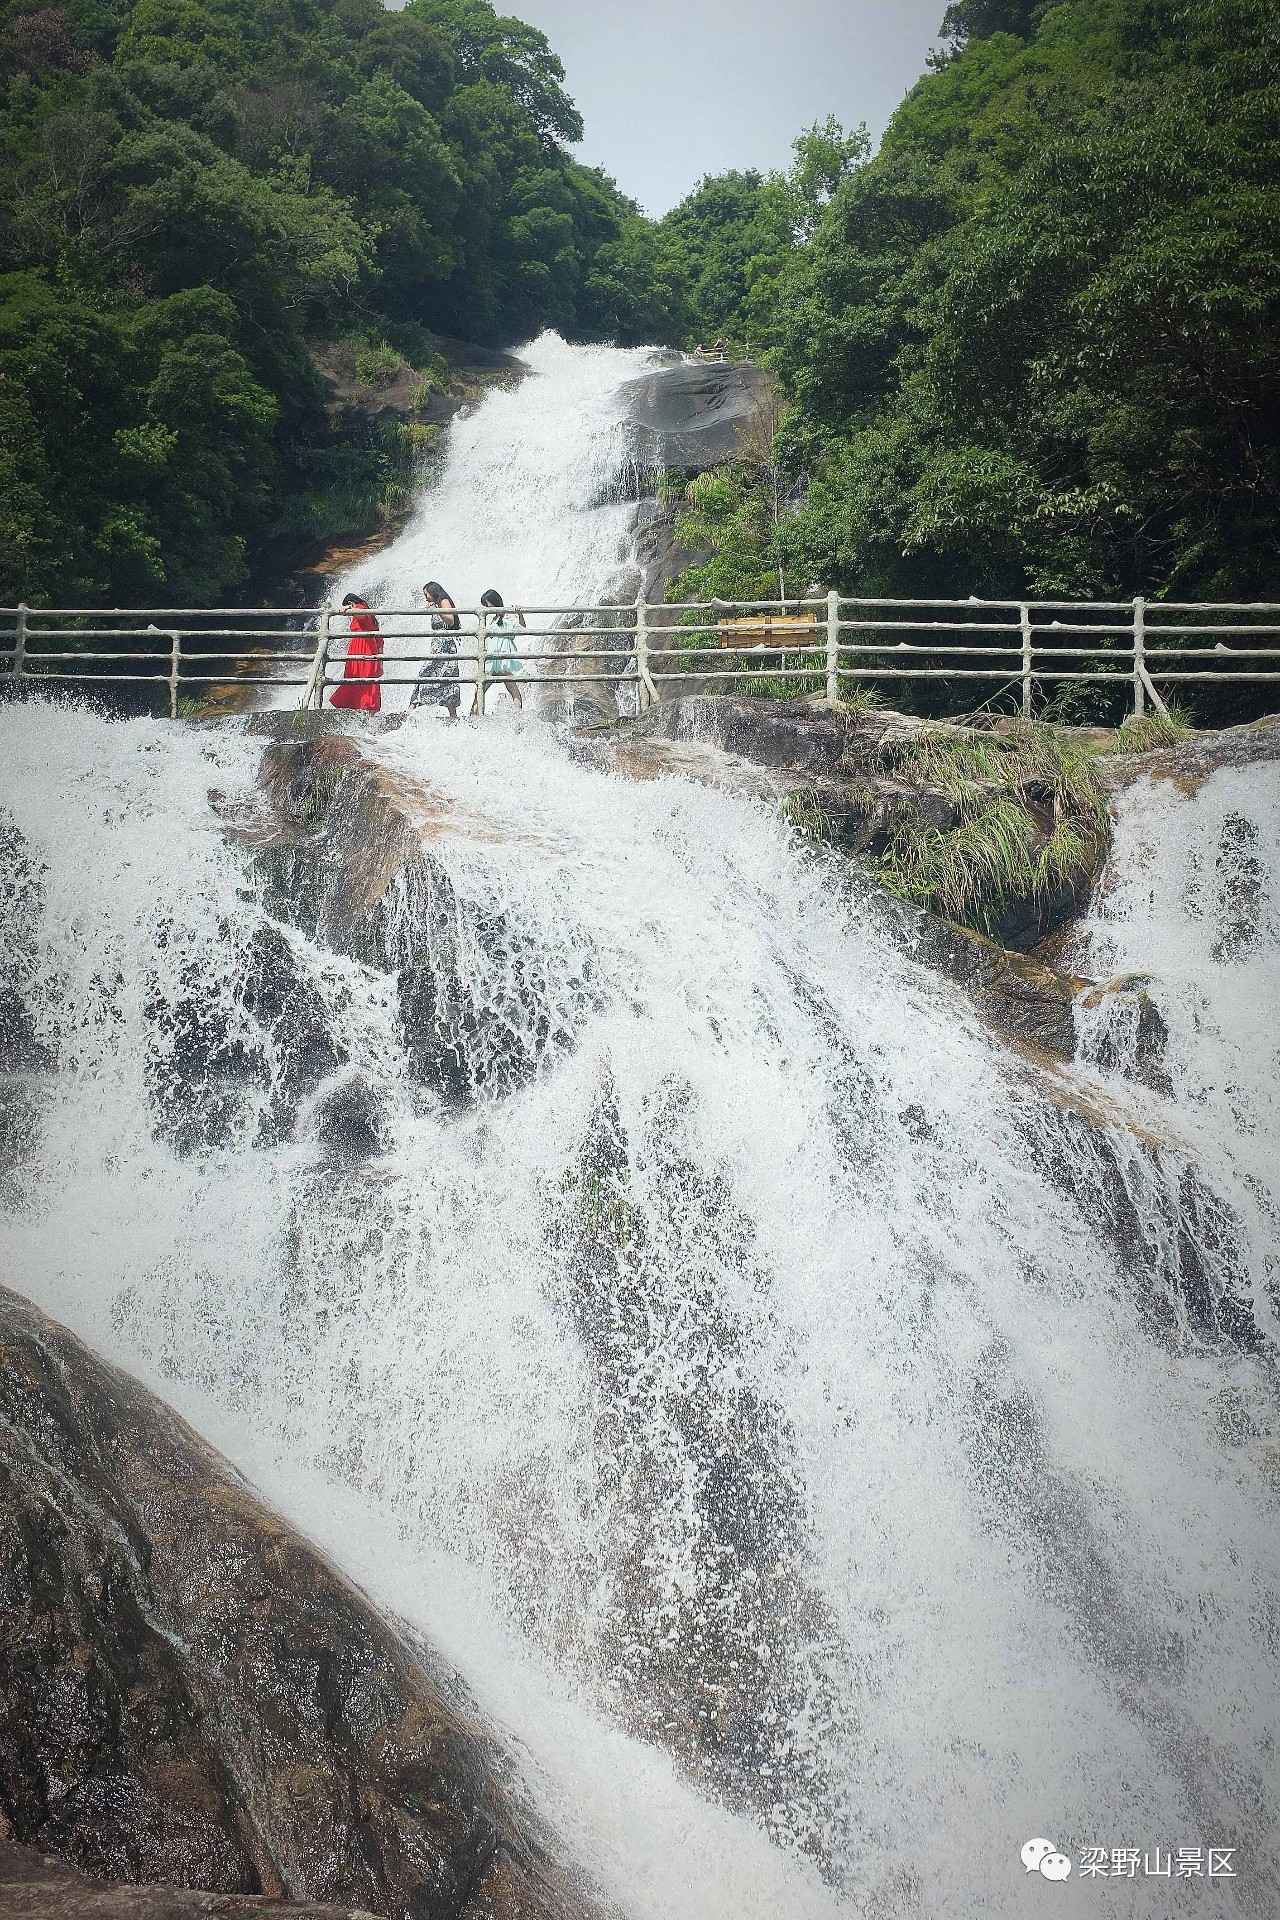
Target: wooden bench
781	630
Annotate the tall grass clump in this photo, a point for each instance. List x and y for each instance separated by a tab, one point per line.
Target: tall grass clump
1031	817
1152	730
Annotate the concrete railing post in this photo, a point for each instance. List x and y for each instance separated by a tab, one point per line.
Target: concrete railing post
1025	613
482	631
322	659
646	692
833	648
314	689
19	644
1139	651
172	676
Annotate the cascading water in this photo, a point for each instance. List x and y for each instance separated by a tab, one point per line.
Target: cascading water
531	499
731	1363
1193	898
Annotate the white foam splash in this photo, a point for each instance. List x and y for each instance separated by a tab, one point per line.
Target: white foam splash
756	1285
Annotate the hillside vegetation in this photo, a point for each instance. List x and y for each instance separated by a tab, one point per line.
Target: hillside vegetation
193	190
1028	347
1032	346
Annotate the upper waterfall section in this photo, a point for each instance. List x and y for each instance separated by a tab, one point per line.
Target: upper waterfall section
536	496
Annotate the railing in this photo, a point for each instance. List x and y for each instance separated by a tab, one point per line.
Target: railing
828	642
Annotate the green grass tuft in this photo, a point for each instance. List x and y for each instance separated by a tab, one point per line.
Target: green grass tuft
1151	731
860	699
1032	818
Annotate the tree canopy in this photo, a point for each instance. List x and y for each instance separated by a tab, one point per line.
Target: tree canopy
194	190
1030	346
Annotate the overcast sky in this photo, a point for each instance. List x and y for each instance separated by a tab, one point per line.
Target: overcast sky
673	89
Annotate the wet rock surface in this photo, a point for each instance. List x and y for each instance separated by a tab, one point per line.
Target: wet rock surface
798	736
36	1886
348	848
698	1453
21	890
844	784
826	769
692	416
1192	761
794	758
1172	1249
660	558
191	1695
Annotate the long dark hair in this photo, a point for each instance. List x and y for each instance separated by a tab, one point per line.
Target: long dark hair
492	598
434	592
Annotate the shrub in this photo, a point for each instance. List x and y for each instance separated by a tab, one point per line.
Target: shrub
377	365
1151	731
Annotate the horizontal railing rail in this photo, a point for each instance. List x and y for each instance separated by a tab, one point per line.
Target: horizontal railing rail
826	643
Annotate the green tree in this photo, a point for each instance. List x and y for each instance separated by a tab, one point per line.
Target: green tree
509	55
1044	360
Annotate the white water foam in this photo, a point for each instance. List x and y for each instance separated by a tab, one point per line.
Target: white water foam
786	1460
1192	897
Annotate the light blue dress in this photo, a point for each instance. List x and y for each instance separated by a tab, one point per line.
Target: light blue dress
504	662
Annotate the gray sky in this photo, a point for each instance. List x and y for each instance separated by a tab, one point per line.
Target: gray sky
673	89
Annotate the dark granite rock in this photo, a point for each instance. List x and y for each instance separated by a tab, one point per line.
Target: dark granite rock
1020	997
191	1695
1191	761
800	736
36	1886
660	558
693	416
21	891
350	1120
847	783
349	849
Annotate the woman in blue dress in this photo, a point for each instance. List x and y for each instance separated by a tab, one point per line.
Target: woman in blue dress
502	659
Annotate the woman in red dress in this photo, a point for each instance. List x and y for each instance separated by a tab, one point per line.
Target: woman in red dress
359	687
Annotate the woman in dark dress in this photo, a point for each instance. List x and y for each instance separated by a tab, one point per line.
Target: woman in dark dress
439	682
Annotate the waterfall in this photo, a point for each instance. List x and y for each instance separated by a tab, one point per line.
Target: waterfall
734	1368
1192	897
532	498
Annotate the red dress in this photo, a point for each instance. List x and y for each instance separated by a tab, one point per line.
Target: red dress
364	665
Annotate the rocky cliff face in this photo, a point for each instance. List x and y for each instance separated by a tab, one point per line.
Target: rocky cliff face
36	1886
342	836
191	1695
848	775
348	846
1189	762
689	417
340	830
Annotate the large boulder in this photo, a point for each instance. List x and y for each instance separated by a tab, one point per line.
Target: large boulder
693	416
36	1886
351	848
823	770
1190	762
191	1695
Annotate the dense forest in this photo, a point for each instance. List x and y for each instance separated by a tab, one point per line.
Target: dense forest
1030	345
194	192
1033	344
